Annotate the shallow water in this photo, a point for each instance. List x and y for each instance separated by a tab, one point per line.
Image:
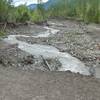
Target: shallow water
68	62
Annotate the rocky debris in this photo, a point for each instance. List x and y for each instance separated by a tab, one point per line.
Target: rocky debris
8	55
31	62
54	64
11	56
74	38
4	61
26	30
79	45
92	71
28	60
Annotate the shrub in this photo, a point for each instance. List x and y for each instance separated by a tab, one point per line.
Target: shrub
2	33
39	14
22	14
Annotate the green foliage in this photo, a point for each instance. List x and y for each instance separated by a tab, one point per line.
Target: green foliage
22	14
3	10
39	15
2	33
9	13
86	10
36	17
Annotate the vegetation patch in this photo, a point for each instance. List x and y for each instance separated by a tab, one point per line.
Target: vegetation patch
86	10
2	33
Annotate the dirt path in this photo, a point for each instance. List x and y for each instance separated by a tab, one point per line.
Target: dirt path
17	85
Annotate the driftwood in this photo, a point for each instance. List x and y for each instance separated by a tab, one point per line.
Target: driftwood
46	63
4	27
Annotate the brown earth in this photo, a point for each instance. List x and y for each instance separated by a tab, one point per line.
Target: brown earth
38	85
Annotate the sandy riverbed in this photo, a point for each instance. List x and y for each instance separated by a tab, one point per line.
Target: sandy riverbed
19	81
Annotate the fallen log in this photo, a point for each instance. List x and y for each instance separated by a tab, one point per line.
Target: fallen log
4	28
46	63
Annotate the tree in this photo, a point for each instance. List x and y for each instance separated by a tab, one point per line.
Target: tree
3	10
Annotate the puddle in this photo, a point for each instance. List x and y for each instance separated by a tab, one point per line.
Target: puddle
68	62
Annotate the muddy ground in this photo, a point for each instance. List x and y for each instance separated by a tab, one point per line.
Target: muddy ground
38	85
19	81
